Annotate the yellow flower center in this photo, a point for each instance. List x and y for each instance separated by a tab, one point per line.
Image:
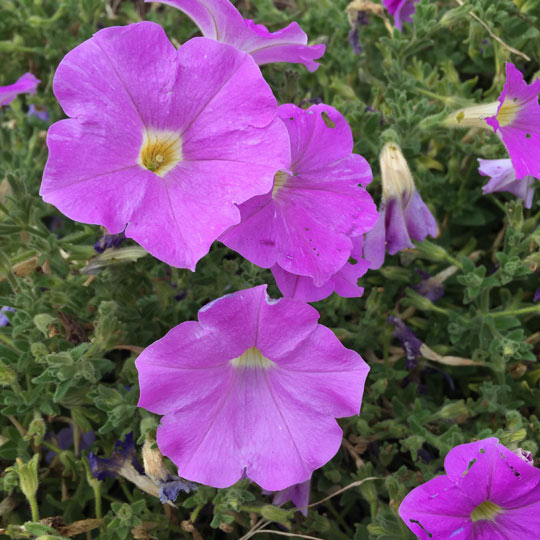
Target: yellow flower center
279	181
508	111
252	358
485	511
160	151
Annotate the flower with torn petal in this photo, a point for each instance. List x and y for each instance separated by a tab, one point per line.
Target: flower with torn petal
318	202
261	385
344	282
487	493
220	20
517	121
401	10
503	178
163	140
26	84
403	215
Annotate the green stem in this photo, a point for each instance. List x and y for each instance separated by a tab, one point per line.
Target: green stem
34	508
512	312
97	497
195	512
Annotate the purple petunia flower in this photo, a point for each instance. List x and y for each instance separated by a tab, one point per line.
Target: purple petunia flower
403	215
430	287
517	121
220	20
26	84
39	111
298	494
344	282
401	10
537	295
4	321
163	140
318	202
503	178
261	385
487	493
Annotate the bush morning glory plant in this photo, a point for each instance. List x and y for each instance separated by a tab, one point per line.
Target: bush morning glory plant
164	374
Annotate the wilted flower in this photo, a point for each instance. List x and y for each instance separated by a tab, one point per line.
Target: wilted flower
109	241
408	340
487	493
537	295
64	440
318	202
503	178
401	10
220	20
160	139
403	215
26	84
525	455
4	321
261	385
517	120
431	286
39	111
298	494
344	282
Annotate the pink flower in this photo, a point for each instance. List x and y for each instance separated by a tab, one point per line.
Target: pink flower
401	10
305	223
220	20
344	282
252	388
26	84
503	178
487	493
517	121
163	140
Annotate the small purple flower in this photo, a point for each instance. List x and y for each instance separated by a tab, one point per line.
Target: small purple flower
297	493
503	178
525	455
4	321
488	492
408	340
403	215
537	295
344	282
26	84
220	20
124	456
517	121
39	111
261	386
161	142
109	241
172	486
401	10
430	287
318	203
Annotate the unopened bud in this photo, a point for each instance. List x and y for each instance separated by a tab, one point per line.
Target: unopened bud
474	116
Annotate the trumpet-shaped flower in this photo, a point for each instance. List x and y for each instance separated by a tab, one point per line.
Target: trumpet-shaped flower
26	84
517	121
503	178
488	492
403	215
318	202
252	388
164	141
220	20
401	10
344	282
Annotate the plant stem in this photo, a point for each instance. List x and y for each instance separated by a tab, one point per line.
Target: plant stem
522	311
34	508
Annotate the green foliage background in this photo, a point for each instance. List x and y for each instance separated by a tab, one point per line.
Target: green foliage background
68	355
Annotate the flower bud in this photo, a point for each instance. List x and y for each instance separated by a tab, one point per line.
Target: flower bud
474	116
